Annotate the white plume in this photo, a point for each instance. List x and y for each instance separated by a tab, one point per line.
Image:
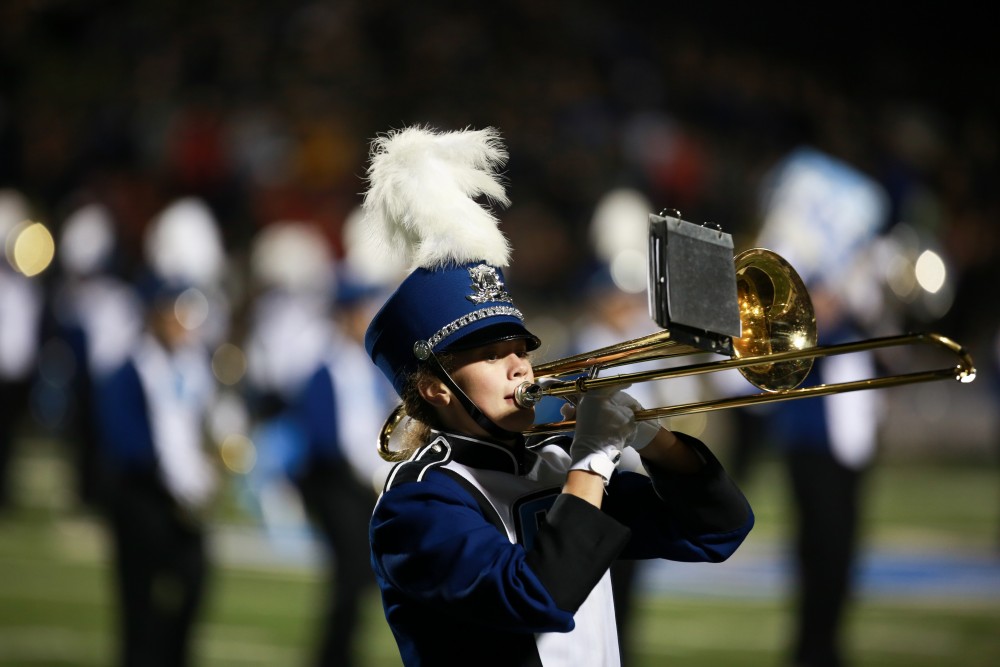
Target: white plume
421	196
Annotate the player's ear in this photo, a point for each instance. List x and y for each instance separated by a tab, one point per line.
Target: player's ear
434	391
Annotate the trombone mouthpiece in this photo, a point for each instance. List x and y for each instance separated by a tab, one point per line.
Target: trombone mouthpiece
527	394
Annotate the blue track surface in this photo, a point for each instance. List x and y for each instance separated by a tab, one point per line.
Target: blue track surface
913	573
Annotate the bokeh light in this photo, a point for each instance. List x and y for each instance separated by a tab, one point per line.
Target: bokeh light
238	453
930	271
628	271
192	308
229	364
30	248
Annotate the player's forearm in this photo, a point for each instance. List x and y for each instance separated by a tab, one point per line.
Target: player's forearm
588	486
670	453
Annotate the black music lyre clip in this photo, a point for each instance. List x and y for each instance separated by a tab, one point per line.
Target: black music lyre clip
692	283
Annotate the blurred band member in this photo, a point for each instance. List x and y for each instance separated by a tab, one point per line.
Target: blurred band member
151	412
21	302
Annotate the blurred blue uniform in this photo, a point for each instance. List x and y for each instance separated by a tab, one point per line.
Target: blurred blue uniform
98	320
827	444
151	412
821	214
336	491
318	430
21	303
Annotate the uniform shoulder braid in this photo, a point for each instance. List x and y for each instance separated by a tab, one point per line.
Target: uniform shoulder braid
445	448
515	459
436	453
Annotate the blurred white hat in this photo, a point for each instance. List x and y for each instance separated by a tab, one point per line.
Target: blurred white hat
292	255
13	211
183	244
619	236
364	260
87	240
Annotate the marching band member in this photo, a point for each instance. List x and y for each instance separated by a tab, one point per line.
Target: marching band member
337	413
21	310
322	414
97	317
488	546
153	412
823	215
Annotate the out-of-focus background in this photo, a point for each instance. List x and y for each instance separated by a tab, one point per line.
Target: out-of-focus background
255	116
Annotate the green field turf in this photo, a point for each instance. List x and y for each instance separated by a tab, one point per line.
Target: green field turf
55	600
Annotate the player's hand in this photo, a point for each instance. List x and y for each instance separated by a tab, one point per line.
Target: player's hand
605	423
645	430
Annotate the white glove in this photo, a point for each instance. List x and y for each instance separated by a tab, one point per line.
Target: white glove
605	423
645	430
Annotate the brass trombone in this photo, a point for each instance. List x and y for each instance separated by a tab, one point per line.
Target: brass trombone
963	371
775	352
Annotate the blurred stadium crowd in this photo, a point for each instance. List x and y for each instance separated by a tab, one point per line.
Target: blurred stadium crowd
263	113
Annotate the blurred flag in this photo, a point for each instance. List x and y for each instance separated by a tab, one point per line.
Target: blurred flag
819	212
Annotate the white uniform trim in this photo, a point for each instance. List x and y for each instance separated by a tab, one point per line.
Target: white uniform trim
178	391
594	640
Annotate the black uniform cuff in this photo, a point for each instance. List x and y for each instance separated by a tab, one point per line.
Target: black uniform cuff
575	545
708	499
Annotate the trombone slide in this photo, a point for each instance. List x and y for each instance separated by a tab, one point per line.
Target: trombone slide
963	371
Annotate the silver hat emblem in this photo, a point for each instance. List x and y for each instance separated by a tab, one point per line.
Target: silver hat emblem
486	285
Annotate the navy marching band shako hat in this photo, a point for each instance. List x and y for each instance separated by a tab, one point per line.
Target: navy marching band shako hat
422	204
448	308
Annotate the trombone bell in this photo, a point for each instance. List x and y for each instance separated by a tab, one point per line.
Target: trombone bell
751	307
776	315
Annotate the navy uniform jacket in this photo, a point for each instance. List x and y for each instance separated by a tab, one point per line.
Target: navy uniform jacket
151	412
481	559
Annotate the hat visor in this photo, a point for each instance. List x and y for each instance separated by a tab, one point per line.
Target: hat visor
494	333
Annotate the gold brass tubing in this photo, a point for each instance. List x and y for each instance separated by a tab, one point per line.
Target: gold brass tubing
658	345
385	434
964	372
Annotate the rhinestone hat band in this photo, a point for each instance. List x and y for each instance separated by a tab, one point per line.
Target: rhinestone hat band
474	316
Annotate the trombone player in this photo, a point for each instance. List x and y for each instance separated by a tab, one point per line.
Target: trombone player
489	540
490	547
